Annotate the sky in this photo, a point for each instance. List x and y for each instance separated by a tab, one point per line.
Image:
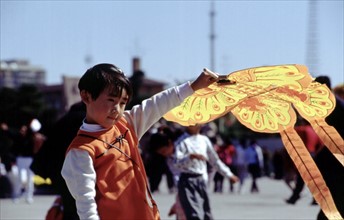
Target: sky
172	38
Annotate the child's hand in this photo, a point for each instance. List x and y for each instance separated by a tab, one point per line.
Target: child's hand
203	80
198	157
233	179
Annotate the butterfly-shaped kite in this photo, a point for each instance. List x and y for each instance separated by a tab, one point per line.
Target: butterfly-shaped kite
264	99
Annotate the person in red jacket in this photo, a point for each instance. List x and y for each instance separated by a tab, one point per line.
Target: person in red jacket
226	154
313	144
103	168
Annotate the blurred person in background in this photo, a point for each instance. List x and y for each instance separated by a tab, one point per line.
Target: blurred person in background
255	163
26	143
162	143
226	154
331	169
339	91
7	162
239	161
157	166
313	144
49	160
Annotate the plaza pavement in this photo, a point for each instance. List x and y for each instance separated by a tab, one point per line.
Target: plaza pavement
267	204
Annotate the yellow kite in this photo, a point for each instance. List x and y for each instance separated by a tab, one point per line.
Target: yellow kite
264	99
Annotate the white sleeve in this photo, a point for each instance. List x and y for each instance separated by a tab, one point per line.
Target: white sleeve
260	156
215	161
182	157
80	178
143	116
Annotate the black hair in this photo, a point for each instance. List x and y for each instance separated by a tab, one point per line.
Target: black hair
324	80
242	142
105	76
253	141
163	137
158	141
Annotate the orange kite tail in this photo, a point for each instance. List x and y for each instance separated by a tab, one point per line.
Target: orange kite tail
309	172
330	137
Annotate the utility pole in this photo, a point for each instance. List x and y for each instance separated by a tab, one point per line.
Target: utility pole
312	39
212	35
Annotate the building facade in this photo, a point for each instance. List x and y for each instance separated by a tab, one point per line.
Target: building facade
14	73
61	97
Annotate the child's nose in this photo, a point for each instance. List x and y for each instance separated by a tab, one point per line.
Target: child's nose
115	108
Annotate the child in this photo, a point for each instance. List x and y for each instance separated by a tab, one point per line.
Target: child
162	143
103	168
192	151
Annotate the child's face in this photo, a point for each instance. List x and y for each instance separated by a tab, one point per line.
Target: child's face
107	109
195	129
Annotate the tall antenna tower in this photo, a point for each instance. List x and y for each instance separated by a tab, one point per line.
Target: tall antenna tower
88	59
312	38
212	35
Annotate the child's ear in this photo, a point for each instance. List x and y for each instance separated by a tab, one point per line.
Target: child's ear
85	96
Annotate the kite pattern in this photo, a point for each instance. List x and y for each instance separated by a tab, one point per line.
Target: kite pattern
265	99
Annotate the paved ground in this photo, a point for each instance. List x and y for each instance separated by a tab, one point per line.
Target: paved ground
267	204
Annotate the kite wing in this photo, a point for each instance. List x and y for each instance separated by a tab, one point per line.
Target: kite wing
220	98
264	99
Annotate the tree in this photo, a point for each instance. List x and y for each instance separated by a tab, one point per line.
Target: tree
21	105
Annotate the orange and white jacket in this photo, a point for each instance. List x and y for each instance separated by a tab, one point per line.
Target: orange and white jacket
108	183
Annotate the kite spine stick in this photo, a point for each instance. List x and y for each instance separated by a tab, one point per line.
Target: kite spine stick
309	172
211	73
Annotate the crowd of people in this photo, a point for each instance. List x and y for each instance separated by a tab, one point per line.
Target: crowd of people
244	158
18	147
100	131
